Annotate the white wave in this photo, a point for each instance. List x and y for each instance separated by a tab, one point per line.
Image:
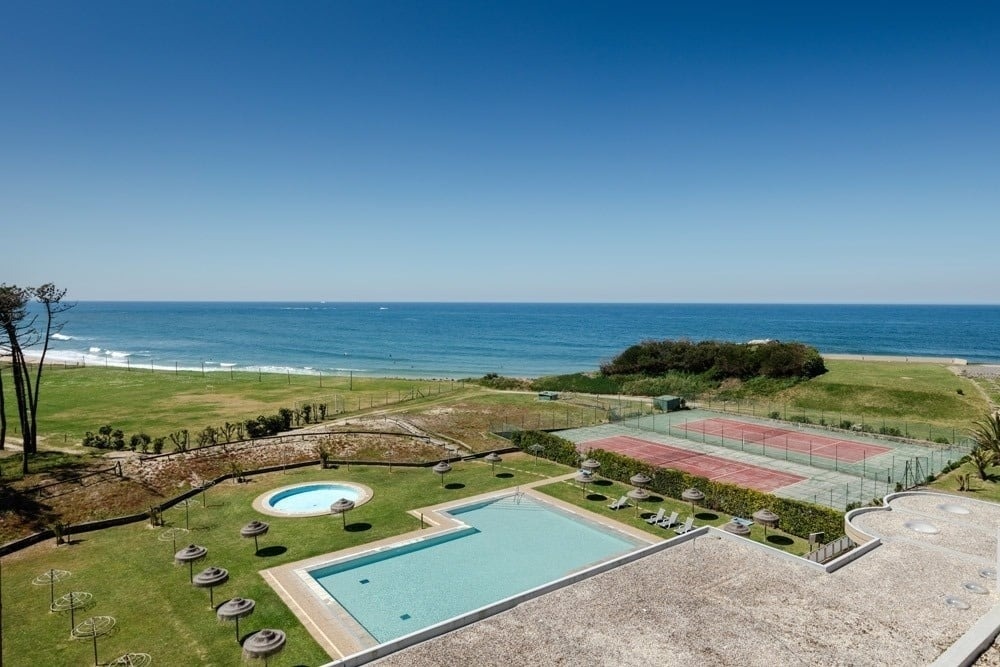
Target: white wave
118	355
59	336
226	365
94	350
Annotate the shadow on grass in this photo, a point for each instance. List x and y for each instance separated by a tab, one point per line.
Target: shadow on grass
358	527
268	552
779	540
602	482
505	475
454	485
706	516
596	496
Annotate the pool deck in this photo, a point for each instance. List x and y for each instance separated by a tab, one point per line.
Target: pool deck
333	627
723	600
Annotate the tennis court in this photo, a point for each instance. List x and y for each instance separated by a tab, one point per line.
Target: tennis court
704	465
848	451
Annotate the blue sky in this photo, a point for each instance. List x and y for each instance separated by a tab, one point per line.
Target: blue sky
501	151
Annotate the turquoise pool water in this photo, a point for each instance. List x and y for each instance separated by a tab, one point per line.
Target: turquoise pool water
311	498
510	546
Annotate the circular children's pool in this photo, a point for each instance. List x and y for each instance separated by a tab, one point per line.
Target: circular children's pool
310	499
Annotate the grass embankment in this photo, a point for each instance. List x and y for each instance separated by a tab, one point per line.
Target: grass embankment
980	489
918	399
130	574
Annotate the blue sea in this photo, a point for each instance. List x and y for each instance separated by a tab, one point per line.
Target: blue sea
459	340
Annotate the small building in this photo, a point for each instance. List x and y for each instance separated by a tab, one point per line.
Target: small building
548	395
668	403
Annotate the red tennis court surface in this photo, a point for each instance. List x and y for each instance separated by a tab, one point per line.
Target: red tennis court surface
796	441
705	465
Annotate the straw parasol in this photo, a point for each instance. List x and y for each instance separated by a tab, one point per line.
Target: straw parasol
189	555
50	577
536	449
638	494
342	506
766	517
209	578
94	627
590	464
737	528
493	459
692	495
585	478
235	609
71	602
253	529
640	479
263	644
441	469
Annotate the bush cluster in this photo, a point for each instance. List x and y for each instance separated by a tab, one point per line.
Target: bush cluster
797	517
718	360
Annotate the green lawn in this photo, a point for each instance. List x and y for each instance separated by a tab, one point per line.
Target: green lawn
919	399
597	498
132	576
75	400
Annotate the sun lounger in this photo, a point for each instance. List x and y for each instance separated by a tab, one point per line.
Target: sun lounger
618	504
669	522
657	518
687	527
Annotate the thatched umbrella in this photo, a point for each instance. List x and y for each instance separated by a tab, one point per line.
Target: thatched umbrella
263	644
171	534
94	627
638	494
640	479
50	577
253	529
590	464
235	609
692	495
536	449
71	602
584	478
342	506
441	469
189	555
493	459
133	660
209	578
737	528
766	517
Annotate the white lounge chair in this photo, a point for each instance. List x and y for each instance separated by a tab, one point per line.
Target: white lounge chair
654	520
687	527
618	504
669	522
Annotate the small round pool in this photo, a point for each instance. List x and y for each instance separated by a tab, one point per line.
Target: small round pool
310	499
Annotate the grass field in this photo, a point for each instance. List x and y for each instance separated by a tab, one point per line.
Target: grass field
917	398
130	572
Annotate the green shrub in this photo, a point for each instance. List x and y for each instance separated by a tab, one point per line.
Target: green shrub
797	517
579	382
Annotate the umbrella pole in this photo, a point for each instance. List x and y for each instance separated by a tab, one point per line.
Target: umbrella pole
237	629
255	547
191	570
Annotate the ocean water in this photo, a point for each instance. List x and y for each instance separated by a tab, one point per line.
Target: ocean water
457	340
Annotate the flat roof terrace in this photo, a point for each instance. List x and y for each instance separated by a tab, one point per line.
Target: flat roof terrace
723	600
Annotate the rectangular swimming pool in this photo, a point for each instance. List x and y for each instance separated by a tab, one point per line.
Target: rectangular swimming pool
510	545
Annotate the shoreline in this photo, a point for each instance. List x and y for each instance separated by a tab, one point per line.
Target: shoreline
950	361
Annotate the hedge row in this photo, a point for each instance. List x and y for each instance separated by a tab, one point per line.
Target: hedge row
797	517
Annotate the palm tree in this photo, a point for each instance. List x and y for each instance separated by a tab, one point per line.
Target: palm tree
986	433
982	458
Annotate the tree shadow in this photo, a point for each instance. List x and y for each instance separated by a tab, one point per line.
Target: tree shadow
268	552
454	485
780	540
358	527
706	516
